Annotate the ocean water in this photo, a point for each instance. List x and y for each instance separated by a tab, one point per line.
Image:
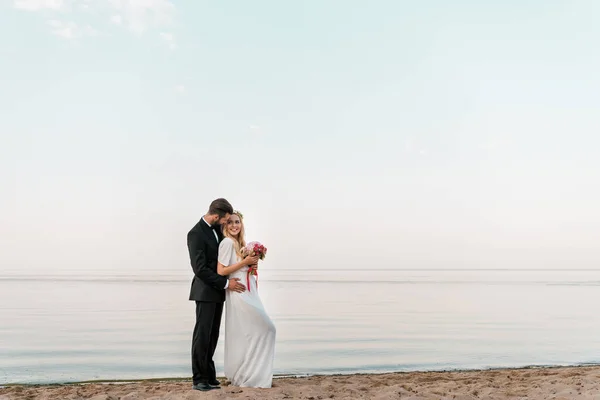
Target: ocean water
110	325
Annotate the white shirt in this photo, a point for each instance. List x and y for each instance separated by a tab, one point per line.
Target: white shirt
216	237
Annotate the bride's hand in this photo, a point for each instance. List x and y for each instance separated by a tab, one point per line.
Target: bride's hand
251	260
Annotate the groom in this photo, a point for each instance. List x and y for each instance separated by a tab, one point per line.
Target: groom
208	291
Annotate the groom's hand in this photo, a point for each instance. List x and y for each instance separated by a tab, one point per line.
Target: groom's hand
236	286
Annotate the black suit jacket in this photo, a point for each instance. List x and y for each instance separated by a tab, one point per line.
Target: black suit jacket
207	285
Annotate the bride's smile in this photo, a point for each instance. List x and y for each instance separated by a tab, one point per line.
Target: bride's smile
234	225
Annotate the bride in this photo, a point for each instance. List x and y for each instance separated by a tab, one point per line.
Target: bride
249	332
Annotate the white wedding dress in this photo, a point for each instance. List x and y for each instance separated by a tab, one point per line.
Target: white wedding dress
249	332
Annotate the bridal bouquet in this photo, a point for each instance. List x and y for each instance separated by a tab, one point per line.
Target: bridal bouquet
253	249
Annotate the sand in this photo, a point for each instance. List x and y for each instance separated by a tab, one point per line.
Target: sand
530	383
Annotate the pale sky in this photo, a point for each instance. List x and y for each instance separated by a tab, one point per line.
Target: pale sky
351	134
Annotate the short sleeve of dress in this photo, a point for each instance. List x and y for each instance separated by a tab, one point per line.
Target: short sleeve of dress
225	251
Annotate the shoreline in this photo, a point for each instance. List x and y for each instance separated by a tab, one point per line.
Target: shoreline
535	382
308	375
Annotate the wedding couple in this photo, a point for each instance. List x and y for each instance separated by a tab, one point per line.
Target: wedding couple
214	245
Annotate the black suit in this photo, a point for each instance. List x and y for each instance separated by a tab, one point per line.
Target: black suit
208	290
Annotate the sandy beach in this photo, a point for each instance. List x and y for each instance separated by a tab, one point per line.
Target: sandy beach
531	383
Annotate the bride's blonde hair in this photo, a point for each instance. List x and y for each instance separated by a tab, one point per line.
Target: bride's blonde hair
240	241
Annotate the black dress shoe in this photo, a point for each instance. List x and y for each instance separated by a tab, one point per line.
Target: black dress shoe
204	387
215	384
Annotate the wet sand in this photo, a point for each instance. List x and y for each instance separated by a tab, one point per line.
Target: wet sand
532	383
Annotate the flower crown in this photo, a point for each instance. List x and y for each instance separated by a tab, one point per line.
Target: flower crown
239	214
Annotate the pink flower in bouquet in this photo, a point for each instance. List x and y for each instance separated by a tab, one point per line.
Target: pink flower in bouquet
254	249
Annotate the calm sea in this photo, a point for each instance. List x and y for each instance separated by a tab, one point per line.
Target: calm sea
61	327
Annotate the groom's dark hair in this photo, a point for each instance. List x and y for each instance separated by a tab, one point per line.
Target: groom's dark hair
220	207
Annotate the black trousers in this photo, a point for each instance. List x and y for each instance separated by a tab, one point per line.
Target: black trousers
204	341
